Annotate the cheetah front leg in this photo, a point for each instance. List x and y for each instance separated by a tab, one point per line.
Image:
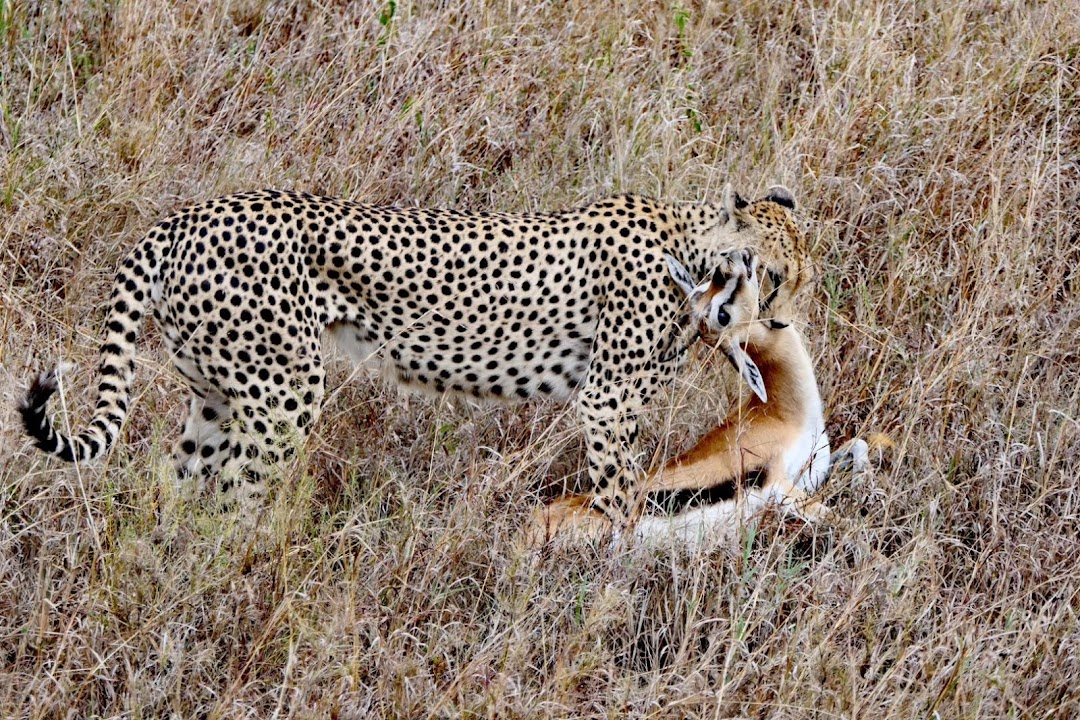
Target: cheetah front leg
609	455
625	370
610	413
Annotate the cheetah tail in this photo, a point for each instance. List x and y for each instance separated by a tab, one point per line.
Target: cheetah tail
126	316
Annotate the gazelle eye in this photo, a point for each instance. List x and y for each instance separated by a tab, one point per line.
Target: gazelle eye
722	317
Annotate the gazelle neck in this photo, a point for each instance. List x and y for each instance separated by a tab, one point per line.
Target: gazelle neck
787	372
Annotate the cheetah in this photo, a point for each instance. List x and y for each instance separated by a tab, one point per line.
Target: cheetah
246	288
772	447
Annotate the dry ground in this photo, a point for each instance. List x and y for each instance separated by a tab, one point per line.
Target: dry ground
935	147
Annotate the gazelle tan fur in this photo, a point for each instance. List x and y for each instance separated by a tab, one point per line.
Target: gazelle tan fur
772	447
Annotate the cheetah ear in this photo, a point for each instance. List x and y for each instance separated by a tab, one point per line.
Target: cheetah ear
781	196
746	367
732	201
680	275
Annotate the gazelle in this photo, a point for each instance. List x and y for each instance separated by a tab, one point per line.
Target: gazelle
772	447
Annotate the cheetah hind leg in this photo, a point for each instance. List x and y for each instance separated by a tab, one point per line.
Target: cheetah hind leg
260	449
203	448
251	464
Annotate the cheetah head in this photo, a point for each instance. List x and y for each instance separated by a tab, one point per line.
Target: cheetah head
787	267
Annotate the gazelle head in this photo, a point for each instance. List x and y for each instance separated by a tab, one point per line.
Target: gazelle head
723	307
728	298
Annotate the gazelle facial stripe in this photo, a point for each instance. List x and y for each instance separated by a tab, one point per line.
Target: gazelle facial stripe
717	313
719	277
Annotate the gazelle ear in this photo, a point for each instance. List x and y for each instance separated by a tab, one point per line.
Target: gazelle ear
746	367
680	275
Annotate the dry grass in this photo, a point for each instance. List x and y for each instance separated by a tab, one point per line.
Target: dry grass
935	147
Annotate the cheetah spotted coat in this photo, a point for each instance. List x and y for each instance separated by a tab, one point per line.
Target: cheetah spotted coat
491	305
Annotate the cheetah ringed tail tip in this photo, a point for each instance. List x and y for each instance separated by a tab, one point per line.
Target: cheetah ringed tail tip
125	318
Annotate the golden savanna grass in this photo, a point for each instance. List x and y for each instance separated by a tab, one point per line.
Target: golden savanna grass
935	150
